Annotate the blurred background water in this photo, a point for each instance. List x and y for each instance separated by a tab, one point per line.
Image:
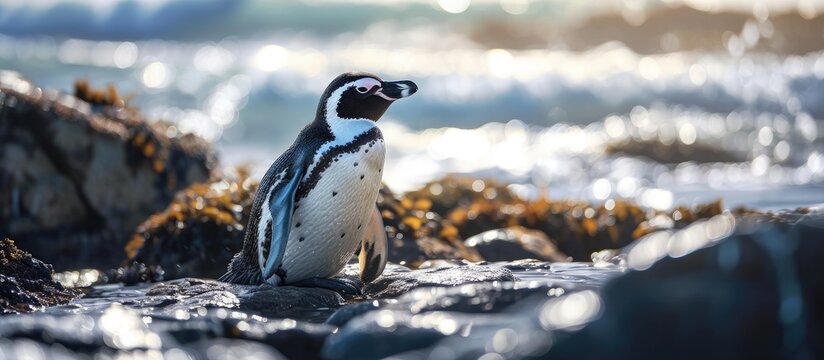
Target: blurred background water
668	102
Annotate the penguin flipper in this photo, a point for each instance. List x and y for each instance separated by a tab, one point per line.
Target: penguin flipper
281	206
373	253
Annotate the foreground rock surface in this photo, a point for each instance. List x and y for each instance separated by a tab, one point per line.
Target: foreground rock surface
26	283
201	318
721	288
729	286
76	178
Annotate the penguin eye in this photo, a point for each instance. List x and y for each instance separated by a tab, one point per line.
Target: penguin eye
362	89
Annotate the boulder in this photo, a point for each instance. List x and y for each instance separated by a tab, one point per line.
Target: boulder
753	293
26	283
77	178
515	243
199	232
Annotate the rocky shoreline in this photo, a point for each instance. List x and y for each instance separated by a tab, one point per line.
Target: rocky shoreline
137	219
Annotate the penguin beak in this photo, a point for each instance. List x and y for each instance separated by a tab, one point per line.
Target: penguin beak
394	90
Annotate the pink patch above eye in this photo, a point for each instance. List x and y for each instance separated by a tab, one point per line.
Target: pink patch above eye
367	84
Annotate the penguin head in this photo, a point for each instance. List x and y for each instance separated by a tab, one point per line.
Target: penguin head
361	96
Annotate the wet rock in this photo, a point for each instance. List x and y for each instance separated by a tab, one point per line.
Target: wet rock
754	294
75	178
535	278
470	298
419	325
441	263
200	231
285	301
379	334
134	273
721	287
118	331
515	243
526	264
341	316
232	349
395	282
26	283
293	339
415	233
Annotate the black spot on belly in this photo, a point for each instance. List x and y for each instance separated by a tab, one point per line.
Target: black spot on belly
359	226
361	177
342	235
334	193
356	164
366	151
297	225
301	238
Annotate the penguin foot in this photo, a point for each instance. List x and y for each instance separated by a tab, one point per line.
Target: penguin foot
340	285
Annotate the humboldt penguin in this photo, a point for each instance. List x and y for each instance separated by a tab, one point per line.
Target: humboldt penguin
315	207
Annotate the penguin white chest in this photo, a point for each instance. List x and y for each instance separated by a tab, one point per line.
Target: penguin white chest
329	223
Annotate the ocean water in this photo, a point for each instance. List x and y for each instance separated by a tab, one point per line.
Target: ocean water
500	96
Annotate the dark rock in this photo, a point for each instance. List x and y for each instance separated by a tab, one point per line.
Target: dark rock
721	288
515	243
199	232
84	175
534	277
349	312
217	349
394	283
294	339
133	274
285	301
755	294
120	331
379	334
26	283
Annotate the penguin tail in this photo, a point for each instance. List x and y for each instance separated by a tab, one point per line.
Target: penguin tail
239	272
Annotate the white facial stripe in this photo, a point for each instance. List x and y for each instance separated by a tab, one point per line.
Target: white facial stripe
379	93
344	130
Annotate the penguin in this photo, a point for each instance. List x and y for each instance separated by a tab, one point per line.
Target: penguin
316	205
